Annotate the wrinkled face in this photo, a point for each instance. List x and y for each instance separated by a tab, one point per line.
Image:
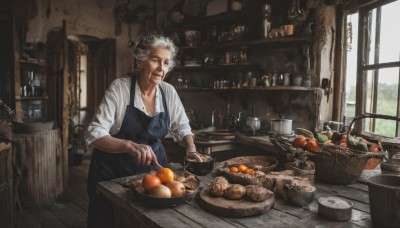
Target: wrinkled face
156	66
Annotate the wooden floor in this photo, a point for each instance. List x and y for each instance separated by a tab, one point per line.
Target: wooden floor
70	209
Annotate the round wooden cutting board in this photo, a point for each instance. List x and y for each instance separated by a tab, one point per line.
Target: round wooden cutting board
233	208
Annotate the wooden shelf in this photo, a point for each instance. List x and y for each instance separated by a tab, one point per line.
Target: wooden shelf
214	66
30	64
269	88
277	42
19	98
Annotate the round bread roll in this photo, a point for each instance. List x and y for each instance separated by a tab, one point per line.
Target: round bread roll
218	186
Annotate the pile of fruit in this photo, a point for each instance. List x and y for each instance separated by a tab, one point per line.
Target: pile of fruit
242	169
309	141
166	184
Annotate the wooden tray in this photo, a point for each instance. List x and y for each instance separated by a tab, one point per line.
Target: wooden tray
160	202
267	163
233	208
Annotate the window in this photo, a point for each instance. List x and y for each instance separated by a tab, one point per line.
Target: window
372	66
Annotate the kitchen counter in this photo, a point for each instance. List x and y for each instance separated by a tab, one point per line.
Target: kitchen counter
132	212
259	142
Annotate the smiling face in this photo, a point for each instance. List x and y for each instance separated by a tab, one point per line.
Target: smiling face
155	67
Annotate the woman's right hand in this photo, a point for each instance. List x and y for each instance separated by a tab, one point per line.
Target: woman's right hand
143	154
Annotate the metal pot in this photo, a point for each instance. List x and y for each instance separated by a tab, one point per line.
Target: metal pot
254	123
281	126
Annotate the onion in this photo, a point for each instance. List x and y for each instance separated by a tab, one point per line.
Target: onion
177	188
160	191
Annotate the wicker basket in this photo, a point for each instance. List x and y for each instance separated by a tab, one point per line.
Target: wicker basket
337	165
342	166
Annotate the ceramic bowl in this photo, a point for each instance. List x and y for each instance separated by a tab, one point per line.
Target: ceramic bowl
389	168
300	195
199	168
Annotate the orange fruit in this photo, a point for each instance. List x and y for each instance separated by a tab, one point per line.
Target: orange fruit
242	168
234	169
300	141
373	147
312	146
149	181
249	171
165	175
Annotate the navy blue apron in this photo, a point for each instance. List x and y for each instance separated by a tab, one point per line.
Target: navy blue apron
139	128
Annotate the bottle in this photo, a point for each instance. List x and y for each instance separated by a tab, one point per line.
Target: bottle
266	21
274	79
265	78
286	79
180	82
243	55
307	81
279	81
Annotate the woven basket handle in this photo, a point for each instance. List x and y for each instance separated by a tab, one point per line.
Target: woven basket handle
369	115
375	154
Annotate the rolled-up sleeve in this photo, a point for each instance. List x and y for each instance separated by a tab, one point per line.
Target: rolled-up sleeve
106	114
179	121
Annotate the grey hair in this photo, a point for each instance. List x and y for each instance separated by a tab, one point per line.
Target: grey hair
148	43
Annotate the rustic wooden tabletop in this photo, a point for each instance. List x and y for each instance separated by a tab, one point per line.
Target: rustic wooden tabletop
133	212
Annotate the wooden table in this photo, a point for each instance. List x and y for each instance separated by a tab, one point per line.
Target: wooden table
131	212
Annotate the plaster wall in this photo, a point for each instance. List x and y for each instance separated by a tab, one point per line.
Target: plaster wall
90	17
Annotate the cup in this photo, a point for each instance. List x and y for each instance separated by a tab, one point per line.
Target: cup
288	29
275	33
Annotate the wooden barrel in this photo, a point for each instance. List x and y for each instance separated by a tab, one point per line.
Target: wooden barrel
37	168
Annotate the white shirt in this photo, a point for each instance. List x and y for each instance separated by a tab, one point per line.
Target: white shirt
111	111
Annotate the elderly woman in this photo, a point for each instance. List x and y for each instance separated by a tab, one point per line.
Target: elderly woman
135	114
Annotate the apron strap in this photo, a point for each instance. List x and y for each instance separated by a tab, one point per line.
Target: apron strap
132	95
165	104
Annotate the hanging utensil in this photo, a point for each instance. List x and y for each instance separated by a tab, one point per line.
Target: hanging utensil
294	9
48	10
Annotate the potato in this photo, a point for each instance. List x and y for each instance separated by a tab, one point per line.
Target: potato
258	193
235	192
218	186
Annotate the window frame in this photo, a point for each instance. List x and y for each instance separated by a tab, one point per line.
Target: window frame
362	53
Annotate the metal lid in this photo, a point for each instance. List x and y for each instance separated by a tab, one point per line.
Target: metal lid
335	208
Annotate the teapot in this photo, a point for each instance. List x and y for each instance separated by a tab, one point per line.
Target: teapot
253	122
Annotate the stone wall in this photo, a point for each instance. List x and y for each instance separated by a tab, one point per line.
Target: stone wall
96	18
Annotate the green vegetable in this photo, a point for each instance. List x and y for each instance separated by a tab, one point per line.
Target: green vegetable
361	147
305	132
321	138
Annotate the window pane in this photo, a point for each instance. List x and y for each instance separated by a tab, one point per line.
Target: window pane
369	99
351	65
390	33
387	93
386	83
371	37
385	127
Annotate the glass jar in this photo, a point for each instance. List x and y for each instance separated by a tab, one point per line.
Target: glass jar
307	81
